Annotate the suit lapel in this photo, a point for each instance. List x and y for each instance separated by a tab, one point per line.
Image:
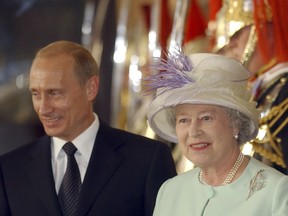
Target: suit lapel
103	163
39	170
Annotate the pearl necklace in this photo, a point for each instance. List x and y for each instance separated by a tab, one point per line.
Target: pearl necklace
231	173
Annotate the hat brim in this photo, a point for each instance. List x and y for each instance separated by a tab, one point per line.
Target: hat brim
157	115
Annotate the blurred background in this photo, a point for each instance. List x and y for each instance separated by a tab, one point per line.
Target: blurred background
124	36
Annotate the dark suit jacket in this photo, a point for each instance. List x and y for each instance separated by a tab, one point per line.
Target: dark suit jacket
123	177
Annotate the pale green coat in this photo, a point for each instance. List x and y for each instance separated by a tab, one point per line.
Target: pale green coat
184	195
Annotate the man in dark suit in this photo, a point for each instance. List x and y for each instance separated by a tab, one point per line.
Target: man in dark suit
119	173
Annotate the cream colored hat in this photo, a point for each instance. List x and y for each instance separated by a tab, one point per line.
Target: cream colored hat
199	79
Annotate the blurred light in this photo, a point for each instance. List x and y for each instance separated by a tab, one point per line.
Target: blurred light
248	6
221	41
88	17
20	81
247	149
157	53
134	59
137	88
119	56
235	4
173	46
149	133
152	40
134	74
262	132
234	26
120	51
86	28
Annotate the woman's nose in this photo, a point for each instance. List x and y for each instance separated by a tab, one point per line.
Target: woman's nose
194	129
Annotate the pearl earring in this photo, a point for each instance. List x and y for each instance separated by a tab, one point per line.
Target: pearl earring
236	136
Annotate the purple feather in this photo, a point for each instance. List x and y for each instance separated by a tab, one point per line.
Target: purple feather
171	72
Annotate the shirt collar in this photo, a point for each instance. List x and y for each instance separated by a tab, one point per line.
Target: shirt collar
84	142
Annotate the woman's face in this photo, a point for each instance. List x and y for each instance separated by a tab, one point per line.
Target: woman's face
204	134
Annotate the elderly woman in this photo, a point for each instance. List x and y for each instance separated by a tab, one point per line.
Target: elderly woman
202	103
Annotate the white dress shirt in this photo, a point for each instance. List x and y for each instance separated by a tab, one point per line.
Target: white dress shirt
84	143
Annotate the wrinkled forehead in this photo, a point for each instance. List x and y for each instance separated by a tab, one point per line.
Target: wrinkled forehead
48	71
60	64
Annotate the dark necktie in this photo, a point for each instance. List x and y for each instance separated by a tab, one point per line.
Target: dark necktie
71	184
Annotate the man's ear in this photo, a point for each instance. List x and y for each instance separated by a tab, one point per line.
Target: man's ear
92	87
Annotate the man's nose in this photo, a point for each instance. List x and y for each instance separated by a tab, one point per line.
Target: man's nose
44	106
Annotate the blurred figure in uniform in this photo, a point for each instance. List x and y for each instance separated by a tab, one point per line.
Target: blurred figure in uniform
255	32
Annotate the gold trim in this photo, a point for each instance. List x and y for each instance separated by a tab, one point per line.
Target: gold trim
266	123
250	46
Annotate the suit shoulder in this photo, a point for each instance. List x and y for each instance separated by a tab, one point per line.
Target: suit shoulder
132	143
23	151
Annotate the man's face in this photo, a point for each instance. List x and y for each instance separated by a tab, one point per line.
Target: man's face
236	46
63	105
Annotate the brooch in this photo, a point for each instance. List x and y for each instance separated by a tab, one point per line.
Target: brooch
256	183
